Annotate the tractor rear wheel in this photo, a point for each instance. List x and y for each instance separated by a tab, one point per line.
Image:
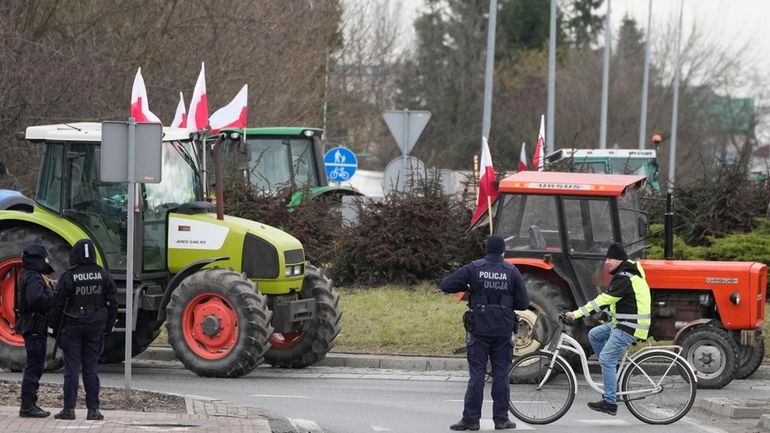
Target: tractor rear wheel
145	333
12	241
218	323
311	344
750	358
713	354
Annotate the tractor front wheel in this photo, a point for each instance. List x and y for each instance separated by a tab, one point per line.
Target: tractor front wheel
750	357
218	323
309	345
713	354
12	242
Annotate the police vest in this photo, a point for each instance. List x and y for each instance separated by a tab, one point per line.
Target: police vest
88	289
491	298
641	320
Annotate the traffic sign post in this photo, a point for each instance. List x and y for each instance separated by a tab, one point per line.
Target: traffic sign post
341	164
406	127
119	163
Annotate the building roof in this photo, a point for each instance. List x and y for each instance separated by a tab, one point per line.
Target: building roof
555	183
89	131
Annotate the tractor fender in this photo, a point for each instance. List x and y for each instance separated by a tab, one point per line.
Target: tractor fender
692	325
546	267
14	200
177	279
53	223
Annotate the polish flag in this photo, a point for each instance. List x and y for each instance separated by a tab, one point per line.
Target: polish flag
523	158
180	117
487	192
198	117
140	108
232	115
537	158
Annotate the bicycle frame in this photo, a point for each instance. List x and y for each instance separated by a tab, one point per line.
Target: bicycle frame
566	342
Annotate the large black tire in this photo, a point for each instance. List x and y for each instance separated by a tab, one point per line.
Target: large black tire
750	358
713	354
252	329
319	333
144	334
12	242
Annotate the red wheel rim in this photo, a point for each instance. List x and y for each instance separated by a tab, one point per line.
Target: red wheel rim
8	333
210	326
287	340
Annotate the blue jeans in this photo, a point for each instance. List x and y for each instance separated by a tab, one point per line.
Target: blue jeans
609	344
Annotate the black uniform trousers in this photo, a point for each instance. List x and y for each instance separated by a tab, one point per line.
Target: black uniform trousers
499	351
35	345
82	344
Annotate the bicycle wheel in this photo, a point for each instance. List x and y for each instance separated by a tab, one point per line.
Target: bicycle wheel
661	387
532	403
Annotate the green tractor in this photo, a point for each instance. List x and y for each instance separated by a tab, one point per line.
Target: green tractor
277	157
232	292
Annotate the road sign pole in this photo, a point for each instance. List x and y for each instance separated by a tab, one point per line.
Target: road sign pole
406	139
130	254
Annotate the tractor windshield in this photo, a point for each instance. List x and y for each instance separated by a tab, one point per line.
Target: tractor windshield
281	162
528	222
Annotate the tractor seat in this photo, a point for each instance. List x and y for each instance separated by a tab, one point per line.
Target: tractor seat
536	239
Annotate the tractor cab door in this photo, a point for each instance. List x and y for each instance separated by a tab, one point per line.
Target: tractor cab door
588	224
99	208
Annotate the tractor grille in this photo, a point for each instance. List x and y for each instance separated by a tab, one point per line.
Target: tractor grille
259	259
294	256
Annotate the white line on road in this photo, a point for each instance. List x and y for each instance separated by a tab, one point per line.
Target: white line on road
488	424
305	426
279	396
704	427
380	428
603	421
463	401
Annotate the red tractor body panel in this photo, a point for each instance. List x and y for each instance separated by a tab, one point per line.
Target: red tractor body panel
553	183
722	279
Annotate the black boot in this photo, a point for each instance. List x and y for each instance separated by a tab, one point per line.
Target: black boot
464	425
30	410
94	415
65	413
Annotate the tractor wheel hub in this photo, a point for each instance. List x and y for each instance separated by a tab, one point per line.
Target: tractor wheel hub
210	325
708	359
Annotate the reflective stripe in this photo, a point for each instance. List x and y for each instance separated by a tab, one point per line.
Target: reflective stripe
633	316
584	311
594	305
635	325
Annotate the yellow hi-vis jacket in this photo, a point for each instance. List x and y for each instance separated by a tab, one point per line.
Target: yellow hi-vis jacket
629	299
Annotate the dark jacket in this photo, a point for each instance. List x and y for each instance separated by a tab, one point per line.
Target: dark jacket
88	291
492	282
35	292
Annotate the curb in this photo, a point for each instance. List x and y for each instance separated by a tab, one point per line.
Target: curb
393	362
736	409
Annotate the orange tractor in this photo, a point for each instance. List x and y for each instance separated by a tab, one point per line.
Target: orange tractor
557	228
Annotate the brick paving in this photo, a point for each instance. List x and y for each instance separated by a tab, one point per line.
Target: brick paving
208	416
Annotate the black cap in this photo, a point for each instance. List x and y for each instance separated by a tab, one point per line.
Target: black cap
495	245
617	252
36	250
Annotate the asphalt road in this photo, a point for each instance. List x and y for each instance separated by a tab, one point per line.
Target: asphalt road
344	400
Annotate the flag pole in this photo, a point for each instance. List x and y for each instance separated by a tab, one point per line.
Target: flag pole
489	208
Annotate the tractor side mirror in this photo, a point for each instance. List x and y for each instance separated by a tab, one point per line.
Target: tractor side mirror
644	227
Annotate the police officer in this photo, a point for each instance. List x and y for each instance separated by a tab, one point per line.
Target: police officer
630	305
33	304
496	289
87	297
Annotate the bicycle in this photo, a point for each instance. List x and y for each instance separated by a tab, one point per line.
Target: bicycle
543	384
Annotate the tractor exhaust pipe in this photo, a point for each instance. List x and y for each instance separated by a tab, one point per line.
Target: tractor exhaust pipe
219	187
668	228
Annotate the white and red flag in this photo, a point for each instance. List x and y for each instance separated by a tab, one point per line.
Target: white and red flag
140	107
523	158
487	192
198	117
232	115
180	117
538	157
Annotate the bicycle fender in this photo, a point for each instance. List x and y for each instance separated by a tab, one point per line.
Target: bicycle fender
645	351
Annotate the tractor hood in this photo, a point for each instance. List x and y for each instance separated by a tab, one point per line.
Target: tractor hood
744	282
272	257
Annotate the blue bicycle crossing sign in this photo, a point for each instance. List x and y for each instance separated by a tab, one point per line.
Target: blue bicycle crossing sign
341	164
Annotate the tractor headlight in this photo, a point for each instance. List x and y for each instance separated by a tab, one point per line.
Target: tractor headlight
735	298
294	270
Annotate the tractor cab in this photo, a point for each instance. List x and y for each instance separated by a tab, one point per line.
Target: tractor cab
69	186
276	158
566	221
